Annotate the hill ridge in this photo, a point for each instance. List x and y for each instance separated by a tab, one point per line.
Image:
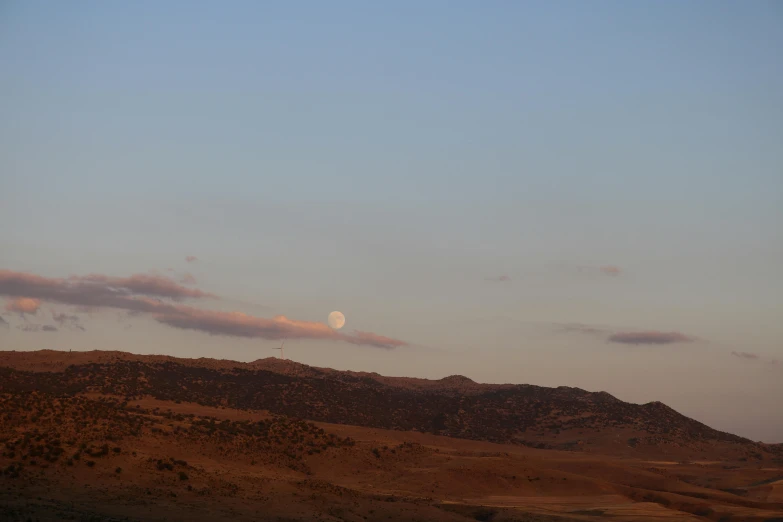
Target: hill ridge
455	406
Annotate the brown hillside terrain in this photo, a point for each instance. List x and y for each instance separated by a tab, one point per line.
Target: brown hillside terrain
122	437
553	418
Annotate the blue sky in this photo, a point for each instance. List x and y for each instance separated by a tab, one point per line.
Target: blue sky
387	160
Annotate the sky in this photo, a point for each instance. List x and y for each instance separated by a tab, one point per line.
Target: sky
553	193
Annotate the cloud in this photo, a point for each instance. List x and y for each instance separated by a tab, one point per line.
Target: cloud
191	259
371	339
145	284
499	279
95	291
580	328
238	324
745	355
607	270
105	292
650	338
23	305
4	323
72	322
62	318
91	292
188	279
37	328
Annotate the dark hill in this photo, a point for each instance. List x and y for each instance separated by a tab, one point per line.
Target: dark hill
456	406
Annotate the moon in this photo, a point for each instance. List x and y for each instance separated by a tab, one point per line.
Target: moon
336	320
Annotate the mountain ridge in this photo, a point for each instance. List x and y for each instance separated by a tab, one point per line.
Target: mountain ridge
455	406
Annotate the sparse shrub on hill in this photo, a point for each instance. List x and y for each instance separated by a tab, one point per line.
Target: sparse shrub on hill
457	407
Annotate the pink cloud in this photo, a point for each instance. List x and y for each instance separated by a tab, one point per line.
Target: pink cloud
611	270
238	324
91	292
369	338
145	284
650	338
98	291
191	259
23	305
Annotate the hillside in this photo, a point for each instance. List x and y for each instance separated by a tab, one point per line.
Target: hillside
123	437
553	418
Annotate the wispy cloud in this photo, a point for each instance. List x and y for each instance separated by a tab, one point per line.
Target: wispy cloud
23	305
750	356
191	259
238	324
4	323
137	295
580	328
606	270
27	327
188	279
72	322
96	291
371	339
499	279
145	284
650	337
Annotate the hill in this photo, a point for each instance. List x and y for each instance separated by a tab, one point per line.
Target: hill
549	418
122	437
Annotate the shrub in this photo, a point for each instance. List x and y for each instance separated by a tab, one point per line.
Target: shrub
183	475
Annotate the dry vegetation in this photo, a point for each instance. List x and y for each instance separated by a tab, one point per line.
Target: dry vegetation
129	440
551	418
